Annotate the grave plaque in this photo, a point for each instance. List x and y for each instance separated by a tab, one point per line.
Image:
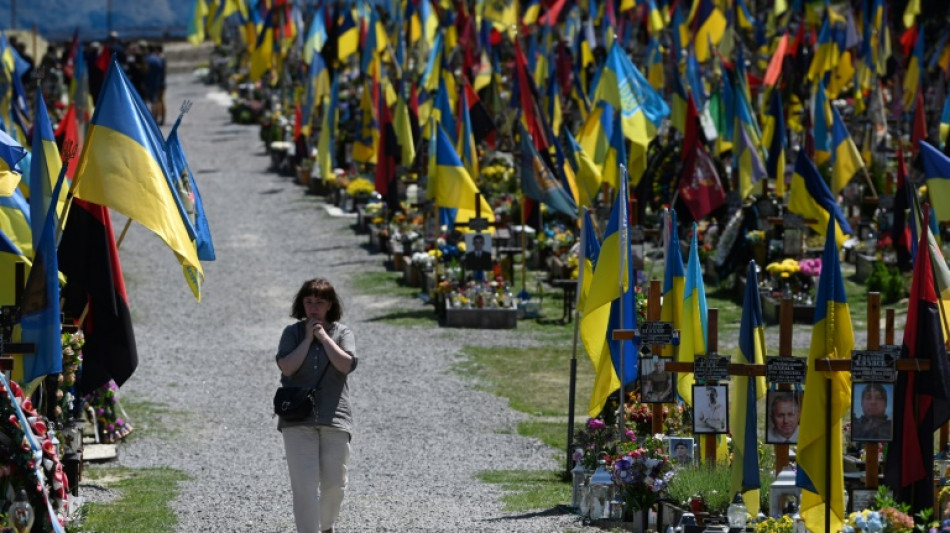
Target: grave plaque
711	367
793	221
655	333
877	366
785	370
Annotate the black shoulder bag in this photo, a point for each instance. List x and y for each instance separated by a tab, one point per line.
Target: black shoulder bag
294	404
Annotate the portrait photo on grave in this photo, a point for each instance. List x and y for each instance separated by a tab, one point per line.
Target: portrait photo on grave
784	412
711	409
681	450
656	383
477	251
872	411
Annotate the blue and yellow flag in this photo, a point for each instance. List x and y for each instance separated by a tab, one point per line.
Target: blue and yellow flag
196	26
693	326
610	280
450	186
641	108
316	35
136	184
184	180
616	150
347	37
846	158
539	183
40	323
827	399
586	173
262	57
744	415
45	166
674	278
937	171
810	197
709	25
593	325
15	221
10	155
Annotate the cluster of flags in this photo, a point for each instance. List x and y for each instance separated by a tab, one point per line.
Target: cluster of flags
584	115
55	219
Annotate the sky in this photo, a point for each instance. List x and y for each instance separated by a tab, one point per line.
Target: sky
131	18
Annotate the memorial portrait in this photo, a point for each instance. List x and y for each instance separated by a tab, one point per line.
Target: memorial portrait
657	385
872	409
681	450
784	408
711	409
478	251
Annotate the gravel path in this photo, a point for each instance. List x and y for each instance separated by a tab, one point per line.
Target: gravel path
423	433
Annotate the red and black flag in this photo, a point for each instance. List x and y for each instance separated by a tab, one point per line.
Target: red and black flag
90	261
387	151
921	399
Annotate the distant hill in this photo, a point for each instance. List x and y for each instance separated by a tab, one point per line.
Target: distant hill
58	19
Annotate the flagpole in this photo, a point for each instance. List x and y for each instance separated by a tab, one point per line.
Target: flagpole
828	430
577	317
524	259
624	249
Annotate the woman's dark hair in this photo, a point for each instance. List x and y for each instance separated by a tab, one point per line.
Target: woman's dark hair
319	288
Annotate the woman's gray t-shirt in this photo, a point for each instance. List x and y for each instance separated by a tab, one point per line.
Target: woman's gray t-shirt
333	393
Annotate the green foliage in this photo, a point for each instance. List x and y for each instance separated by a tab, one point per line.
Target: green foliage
143	503
888	281
709	482
527	490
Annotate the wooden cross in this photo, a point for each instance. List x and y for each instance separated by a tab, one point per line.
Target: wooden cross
478	222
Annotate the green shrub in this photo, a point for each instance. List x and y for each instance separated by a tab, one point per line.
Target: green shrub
888	281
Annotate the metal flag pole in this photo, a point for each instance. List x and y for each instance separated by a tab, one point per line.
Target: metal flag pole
623	242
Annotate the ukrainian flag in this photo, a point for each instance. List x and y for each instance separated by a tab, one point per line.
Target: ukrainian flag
15	221
449	183
40	323
709	24
622	86
326	143
123	167
810	197
827	398
262	57
593	325
674	279
196	26
773	137
45	166
616	153
744	416
693	327
348	36
847	161
585	170
937	170
10	155
610	281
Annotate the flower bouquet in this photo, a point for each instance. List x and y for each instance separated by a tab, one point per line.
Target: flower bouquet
885	520
642	473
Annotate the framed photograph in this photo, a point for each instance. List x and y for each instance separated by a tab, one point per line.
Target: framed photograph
656	384
681	450
478	251
872	412
784	412
710	409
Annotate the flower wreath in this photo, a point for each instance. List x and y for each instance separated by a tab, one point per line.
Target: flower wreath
29	459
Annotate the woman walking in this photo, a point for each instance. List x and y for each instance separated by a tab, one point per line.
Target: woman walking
318	352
